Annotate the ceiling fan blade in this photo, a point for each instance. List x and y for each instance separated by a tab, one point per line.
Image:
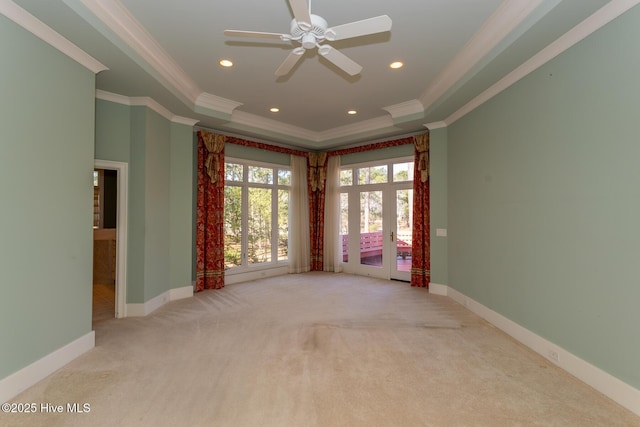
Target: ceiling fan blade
340	60
254	34
300	10
290	61
365	27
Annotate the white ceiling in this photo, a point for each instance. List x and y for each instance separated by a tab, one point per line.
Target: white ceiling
454	52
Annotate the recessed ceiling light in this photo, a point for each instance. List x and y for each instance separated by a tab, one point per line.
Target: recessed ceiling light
396	64
225	63
352	112
274	109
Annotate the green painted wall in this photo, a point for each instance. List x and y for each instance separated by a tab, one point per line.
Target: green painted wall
113	131
438	204
159	153
46	198
250	153
383	154
137	207
181	206
544	201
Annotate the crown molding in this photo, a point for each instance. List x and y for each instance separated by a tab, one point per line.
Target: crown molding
112	97
509	15
241	119
600	18
152	104
48	35
145	101
246	121
404	109
354	129
124	28
436	125
184	121
207	103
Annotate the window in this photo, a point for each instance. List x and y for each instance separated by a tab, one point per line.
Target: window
372	175
403	172
256	213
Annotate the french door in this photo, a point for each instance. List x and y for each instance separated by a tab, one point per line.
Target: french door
376	207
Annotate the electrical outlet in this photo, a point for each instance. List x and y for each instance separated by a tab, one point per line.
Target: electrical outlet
553	355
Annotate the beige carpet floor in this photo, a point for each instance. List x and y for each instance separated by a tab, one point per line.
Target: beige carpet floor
316	349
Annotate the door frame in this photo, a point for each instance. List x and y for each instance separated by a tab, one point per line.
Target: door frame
394	273
388	189
122	170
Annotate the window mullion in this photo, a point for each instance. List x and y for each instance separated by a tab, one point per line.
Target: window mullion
274	218
245	218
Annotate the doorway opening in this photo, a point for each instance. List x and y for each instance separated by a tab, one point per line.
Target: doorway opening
105	208
110	240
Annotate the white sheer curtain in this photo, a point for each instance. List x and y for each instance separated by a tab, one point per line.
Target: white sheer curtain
332	243
299	247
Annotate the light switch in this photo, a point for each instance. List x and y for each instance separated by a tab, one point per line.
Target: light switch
441	232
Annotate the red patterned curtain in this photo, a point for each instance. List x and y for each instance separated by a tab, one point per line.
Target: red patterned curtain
317	176
210	212
420	258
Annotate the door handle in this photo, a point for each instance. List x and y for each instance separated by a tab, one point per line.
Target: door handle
392	236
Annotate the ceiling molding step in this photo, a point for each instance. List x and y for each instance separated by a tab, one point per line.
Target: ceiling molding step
355	129
505	19
303	137
215	106
600	18
48	35
123	28
436	125
406	111
241	119
152	104
112	97
184	121
144	101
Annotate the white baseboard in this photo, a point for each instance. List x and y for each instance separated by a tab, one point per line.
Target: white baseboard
437	289
143	309
605	383
180	293
19	381
230	279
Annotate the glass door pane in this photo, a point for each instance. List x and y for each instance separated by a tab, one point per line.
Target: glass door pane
344	225
371	238
259	227
404	219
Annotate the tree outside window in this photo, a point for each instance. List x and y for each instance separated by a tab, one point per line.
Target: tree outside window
256	214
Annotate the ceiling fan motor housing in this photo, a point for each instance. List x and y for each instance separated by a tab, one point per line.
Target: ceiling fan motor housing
309	36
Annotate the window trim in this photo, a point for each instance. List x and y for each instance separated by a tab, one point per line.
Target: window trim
386	162
245	266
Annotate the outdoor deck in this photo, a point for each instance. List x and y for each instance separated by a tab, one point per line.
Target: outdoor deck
371	249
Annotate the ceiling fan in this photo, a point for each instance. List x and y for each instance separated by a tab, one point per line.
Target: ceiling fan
311	30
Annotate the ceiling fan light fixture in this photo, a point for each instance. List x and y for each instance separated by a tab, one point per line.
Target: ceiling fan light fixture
310	30
226	63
